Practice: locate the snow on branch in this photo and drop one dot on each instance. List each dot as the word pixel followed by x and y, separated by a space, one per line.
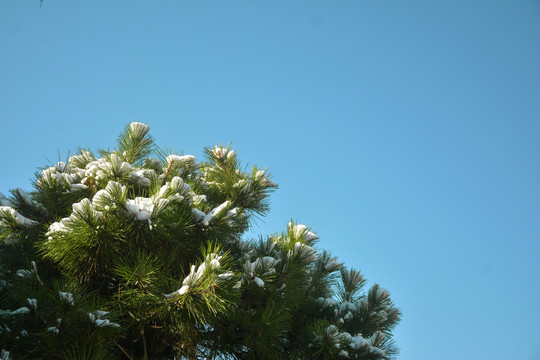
pixel 9 215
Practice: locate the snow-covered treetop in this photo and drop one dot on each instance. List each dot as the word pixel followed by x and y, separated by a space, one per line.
pixel 137 251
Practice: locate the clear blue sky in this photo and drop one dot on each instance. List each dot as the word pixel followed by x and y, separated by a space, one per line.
pixel 407 133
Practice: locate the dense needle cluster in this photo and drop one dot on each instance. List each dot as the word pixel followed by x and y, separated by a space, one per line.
pixel 133 253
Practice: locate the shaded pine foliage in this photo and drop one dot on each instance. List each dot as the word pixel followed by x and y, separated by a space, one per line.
pixel 133 253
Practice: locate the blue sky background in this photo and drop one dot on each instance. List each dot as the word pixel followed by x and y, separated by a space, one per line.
pixel 405 132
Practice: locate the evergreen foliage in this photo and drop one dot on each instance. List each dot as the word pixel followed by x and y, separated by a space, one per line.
pixel 138 254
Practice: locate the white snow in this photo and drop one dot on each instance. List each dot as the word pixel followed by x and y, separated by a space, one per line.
pixel 141 208
pixel 346 307
pixel 309 236
pixel 138 128
pixel 113 193
pixel 178 183
pixel 32 303
pixel 358 342
pixel 25 197
pixel 138 177
pixel 327 302
pixel 300 231
pixel 226 275
pixel 75 187
pixel 4 201
pixel 29 274
pixel 262 266
pixel 49 176
pixel 53 329
pixel 62 166
pixel 177 197
pixel 198 215
pixel 4 355
pixel 4 328
pixel 82 159
pixel 261 177
pixel 103 168
pixel 184 289
pixel 160 205
pixel 375 350
pixel 56 227
pixel 304 252
pixel 199 199
pixel 153 163
pixel 83 210
pixel 143 215
pixel 232 212
pixel 242 184
pixel 20 311
pixel 180 159
pixel 102 196
pixel 175 190
pixel 214 264
pixel 21 220
pixel 258 281
pixel 218 151
pixel 117 166
pixel 215 212
pixel 192 280
pixel 96 319
pixel 105 322
pixel 223 153
pixel 100 313
pixel 66 297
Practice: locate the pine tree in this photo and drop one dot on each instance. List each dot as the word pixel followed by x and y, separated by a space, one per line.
pixel 138 254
